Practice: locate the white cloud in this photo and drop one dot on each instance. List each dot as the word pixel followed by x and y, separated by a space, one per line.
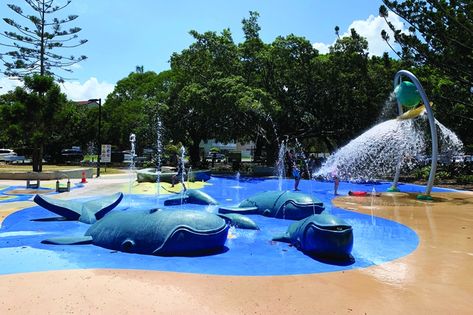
pixel 8 84
pixel 321 47
pixel 75 90
pixel 371 29
pixel 91 88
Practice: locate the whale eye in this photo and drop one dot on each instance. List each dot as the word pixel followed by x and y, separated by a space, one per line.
pixel 153 210
pixel 128 245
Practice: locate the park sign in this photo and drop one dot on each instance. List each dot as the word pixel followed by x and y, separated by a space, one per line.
pixel 106 153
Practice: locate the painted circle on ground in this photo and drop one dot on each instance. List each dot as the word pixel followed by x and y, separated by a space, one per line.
pixel 248 253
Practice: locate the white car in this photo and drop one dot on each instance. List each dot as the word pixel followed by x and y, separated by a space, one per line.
pixel 6 154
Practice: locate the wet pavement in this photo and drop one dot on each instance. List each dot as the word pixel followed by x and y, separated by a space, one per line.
pixel 433 276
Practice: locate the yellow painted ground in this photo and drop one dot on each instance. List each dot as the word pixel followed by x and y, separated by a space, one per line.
pixel 165 189
pixel 8 208
pixel 3 198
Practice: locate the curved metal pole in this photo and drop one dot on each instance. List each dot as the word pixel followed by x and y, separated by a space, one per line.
pixel 433 129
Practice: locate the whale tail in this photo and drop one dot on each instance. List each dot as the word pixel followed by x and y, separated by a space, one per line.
pixel 86 212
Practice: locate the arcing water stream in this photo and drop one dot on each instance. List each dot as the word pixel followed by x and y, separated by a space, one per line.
pixel 376 153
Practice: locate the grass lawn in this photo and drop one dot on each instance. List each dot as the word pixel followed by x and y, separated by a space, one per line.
pixel 5 168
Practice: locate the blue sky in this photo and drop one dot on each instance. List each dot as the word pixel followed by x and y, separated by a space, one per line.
pixel 123 34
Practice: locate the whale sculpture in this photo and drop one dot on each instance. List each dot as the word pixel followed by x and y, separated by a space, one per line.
pixel 155 232
pixel 191 196
pixel 84 211
pixel 278 204
pixel 320 234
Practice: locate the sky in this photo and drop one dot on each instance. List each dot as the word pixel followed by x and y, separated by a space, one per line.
pixel 123 34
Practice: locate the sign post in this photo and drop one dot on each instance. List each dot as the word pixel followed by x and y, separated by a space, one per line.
pixel 106 154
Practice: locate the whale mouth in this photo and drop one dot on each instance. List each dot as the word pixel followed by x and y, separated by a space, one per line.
pixel 305 205
pixel 334 228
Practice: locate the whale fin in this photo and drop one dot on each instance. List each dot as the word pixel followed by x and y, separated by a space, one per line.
pixel 244 210
pixel 282 238
pixel 176 200
pixel 100 207
pixel 72 240
pixel 65 208
pixel 239 221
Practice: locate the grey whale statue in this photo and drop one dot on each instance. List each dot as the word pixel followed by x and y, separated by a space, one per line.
pixel 320 234
pixel 84 211
pixel 278 204
pixel 191 196
pixel 155 232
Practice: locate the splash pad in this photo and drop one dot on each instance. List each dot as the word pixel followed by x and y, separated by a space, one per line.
pixel 396 144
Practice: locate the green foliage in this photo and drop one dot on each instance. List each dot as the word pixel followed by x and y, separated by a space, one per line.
pixel 440 42
pixel 422 173
pixel 133 107
pixel 465 179
pixel 32 115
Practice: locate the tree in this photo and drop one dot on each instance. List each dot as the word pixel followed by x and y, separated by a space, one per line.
pixel 440 38
pixel 34 46
pixel 199 71
pixel 440 34
pixel 132 108
pixel 32 113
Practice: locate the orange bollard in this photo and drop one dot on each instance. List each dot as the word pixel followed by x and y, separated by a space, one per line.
pixel 84 179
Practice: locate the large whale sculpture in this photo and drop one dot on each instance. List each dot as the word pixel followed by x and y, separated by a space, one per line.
pixel 320 234
pixel 84 211
pixel 191 196
pixel 155 232
pixel 278 204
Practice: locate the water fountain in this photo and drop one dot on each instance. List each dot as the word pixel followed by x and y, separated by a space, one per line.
pixel 132 160
pixel 280 164
pixel 237 178
pixel 396 144
pixel 159 151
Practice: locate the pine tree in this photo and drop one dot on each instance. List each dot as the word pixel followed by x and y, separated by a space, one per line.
pixel 35 44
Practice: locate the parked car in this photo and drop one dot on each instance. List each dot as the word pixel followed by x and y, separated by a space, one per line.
pixel 6 154
pixel 127 157
pixel 217 156
pixel 72 155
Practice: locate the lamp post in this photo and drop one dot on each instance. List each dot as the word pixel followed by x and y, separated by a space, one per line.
pixel 99 102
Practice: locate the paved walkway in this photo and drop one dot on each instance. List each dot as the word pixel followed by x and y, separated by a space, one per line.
pixel 435 279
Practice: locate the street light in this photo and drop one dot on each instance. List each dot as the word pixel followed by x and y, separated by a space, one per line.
pixel 99 102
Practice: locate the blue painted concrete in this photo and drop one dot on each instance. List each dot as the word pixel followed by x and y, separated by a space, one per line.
pixel 251 253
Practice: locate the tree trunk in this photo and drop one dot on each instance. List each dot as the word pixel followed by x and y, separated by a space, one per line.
pixel 258 149
pixel 40 157
pixel 272 149
pixel 35 159
pixel 194 153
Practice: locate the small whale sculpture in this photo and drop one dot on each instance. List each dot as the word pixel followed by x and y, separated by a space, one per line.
pixel 155 232
pixel 84 211
pixel 320 234
pixel 278 204
pixel 191 196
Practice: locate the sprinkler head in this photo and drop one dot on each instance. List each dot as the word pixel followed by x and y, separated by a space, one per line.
pixel 393 189
pixel 424 197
